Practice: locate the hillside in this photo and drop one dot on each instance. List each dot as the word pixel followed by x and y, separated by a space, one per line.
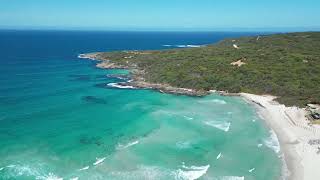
pixel 284 65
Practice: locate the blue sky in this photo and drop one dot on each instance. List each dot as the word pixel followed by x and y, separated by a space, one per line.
pixel 160 14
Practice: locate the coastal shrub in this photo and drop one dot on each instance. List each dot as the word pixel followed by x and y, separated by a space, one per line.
pixel 284 65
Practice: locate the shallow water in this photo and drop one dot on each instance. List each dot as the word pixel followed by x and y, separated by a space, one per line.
pixel 60 119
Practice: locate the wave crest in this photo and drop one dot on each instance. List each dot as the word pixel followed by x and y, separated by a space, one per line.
pixel 121 146
pixel 120 86
pixel 224 126
pixel 192 172
pixel 183 46
pixel 272 142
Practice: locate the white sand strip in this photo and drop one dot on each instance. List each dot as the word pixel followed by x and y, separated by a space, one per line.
pixel 294 133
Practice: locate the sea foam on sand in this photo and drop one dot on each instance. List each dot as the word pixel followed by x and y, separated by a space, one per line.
pixel 294 133
pixel 272 142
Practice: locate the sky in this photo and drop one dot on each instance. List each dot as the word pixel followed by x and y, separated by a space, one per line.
pixel 194 15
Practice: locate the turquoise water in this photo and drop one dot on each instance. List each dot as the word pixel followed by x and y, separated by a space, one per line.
pixel 60 119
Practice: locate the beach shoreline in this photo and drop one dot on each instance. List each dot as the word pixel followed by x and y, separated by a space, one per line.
pixel 300 158
pixel 294 135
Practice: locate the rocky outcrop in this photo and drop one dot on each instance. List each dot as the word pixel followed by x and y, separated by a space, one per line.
pixel 138 80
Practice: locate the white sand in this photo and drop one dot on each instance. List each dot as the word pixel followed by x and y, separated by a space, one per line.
pixel 294 133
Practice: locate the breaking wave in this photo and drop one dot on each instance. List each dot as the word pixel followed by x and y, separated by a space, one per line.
pixel 18 171
pixel 83 56
pixel 215 101
pixel 84 168
pixel 224 126
pixel 251 170
pixel 50 176
pixel 154 172
pixel 219 101
pixel 121 146
pixel 192 172
pixel 142 172
pixel 272 142
pixel 183 46
pixel 188 118
pixel 99 161
pixel 219 155
pixel 117 85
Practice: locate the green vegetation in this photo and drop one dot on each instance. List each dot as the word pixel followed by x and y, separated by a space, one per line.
pixel 284 65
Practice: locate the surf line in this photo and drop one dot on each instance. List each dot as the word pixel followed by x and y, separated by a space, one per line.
pixel 99 161
pixel 85 168
pixel 219 156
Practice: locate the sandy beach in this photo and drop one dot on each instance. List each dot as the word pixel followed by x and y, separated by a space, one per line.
pixel 298 140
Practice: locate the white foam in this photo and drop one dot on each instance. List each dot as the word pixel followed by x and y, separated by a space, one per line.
pixel 1 168
pixel 215 101
pixel 20 170
pixel 188 46
pixel 251 170
pixel 187 117
pixel 117 85
pixel 219 156
pixel 192 172
pixel 224 126
pixel 195 46
pixel 143 172
pixel 219 101
pixel 31 171
pixel 83 56
pixel 272 142
pixel 259 145
pixel 84 168
pixel 183 46
pixel 11 166
pixel 232 178
pixel 121 78
pixel 154 172
pixel 99 161
pixel 50 176
pixel 75 178
pixel 121 146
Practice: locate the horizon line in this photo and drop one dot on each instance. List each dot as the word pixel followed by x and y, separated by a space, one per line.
pixel 232 29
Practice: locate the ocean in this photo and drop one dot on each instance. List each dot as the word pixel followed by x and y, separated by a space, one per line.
pixel 59 118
